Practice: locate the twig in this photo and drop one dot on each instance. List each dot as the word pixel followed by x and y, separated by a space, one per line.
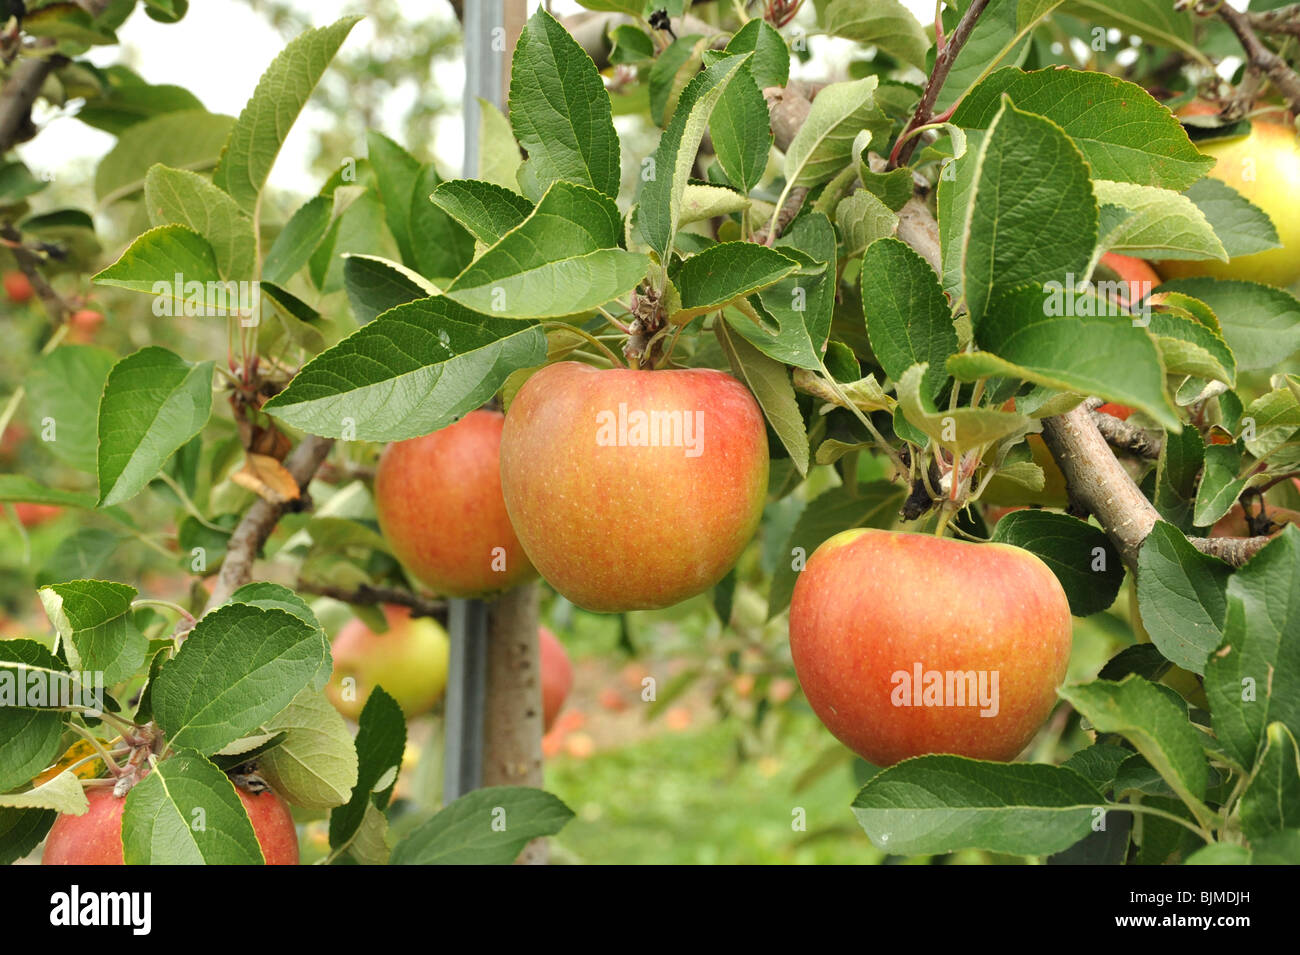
pixel 1260 56
pixel 420 606
pixel 1285 20
pixel 17 96
pixel 29 263
pixel 1127 437
pixel 906 143
pixel 256 526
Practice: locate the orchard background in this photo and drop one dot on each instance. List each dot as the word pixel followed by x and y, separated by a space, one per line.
pixel 1017 283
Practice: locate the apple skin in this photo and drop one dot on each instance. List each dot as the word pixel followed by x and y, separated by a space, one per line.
pixel 18 287
pixel 616 528
pixel 34 515
pixel 440 508
pixel 870 603
pixel 1140 277
pixel 557 676
pixel 1263 166
pixel 1116 411
pixel 95 838
pixel 409 661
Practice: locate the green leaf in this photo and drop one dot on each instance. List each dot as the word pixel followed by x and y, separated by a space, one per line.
pixel 63 389
pixel 17 488
pixel 1157 22
pixel 375 285
pixel 670 73
pixel 1271 803
pixel 1242 226
pixel 316 765
pixel 1143 714
pixel 939 804
pixel 959 428
pixel 741 131
pixel 769 380
pixel 1254 679
pixel 80 556
pixel 908 318
pixel 659 208
pixel 187 812
pixel 298 240
pixel 154 402
pixel 240 665
pixel 1181 458
pixel 562 260
pixel 560 112
pixel 1155 223
pixel 187 139
pixel 1030 215
pixel 180 197
pixel 700 202
pixel 499 158
pixel 415 369
pixel 1276 417
pixel 1181 596
pixel 441 246
pixel 1000 37
pixel 874 505
pixel 487 211
pixel 264 124
pixel 94 622
pixel 1123 132
pixel 396 172
pixel 30 738
pixel 800 306
pixel 358 228
pixel 885 24
pixel 770 64
pixel 1188 347
pixel 1080 555
pixel 721 274
pixel 485 827
pixel 862 219
pixel 1220 486
pixel 1281 848
pixel 1099 763
pixel 1219 853
pixel 21 831
pixel 153 261
pixel 380 742
pixel 1261 324
pixel 824 144
pixel 1025 335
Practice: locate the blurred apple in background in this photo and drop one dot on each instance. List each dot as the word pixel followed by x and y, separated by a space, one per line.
pixel 18 288
pixel 409 661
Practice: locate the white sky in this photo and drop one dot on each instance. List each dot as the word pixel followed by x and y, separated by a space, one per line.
pixel 219 50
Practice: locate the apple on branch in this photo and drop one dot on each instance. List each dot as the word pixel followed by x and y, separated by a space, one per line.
pixel 629 489
pixel 908 644
pixel 409 661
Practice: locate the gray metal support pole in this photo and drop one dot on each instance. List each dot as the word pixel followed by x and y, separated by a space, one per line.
pixel 466 687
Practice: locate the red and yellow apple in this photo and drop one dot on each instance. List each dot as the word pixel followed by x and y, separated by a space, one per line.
pixel 907 644
pixel 1263 166
pixel 409 661
pixel 440 508
pixel 18 287
pixel 557 676
pixel 633 490
pixel 95 838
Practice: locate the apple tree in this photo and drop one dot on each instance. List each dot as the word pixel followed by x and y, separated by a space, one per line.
pixel 947 350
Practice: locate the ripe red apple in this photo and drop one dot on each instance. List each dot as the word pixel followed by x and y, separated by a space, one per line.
pixel 1263 166
pixel 1139 278
pixel 18 287
pixel 440 507
pixel 83 325
pixel 33 515
pixel 985 626
pixel 409 661
pixel 633 490
pixel 557 676
pixel 95 838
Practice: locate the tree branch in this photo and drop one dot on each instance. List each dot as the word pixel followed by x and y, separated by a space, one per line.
pixel 1260 56
pixel 420 606
pixel 942 65
pixel 1285 20
pixel 251 533
pixel 1127 437
pixel 17 96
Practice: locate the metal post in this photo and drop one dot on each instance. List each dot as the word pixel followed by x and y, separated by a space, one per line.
pixel 466 687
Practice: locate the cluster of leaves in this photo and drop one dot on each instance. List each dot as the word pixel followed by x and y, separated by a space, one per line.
pixel 851 340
